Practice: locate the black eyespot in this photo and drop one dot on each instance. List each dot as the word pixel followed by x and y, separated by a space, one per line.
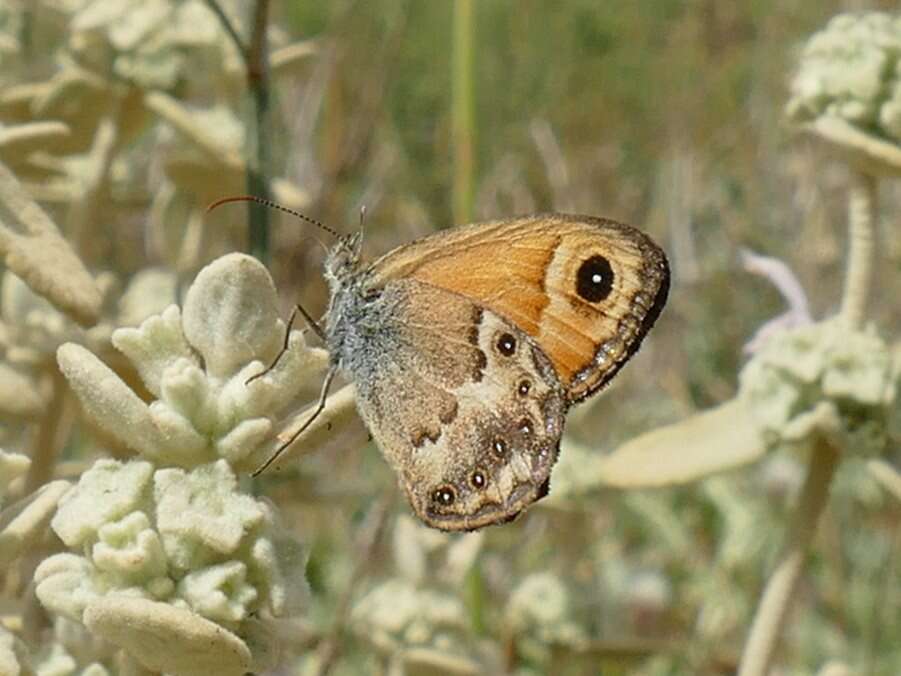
pixel 506 345
pixel 523 388
pixel 499 446
pixel 594 280
pixel 444 496
pixel 478 479
pixel 525 426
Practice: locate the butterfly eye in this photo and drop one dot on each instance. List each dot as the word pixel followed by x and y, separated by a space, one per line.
pixel 478 479
pixel 594 280
pixel 372 295
pixel 523 388
pixel 444 496
pixel 506 345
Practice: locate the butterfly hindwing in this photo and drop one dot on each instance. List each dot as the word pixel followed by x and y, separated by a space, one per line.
pixel 464 405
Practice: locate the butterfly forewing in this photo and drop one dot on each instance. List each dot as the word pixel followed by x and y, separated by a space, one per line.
pixel 586 290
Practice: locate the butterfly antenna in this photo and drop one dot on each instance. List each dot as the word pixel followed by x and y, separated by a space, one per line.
pixel 272 205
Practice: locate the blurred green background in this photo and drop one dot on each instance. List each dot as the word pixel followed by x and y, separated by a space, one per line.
pixel 668 115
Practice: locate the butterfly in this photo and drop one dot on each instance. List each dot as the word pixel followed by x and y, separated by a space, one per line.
pixel 466 349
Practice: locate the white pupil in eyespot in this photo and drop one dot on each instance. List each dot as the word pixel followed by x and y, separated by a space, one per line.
pixel 596 278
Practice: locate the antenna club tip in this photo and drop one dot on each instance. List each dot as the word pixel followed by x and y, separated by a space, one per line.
pixel 226 200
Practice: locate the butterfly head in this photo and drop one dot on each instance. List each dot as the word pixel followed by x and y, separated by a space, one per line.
pixel 343 260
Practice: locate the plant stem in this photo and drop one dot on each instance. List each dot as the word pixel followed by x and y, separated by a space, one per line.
pixel 48 439
pixel 83 212
pixel 769 621
pixel 229 28
pixel 258 155
pixel 463 110
pixel 256 61
pixel 367 540
pixel 861 210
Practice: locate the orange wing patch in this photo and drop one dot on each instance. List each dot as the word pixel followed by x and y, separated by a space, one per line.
pixel 506 276
pixel 586 289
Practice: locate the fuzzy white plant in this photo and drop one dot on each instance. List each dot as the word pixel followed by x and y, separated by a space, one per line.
pixel 12 465
pixel 198 363
pixel 822 379
pixel 169 560
pixel 149 42
pixel 414 619
pixel 541 608
pixel 852 70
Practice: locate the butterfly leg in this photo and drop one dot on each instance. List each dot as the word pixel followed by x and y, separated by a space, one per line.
pixel 323 395
pixel 310 322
